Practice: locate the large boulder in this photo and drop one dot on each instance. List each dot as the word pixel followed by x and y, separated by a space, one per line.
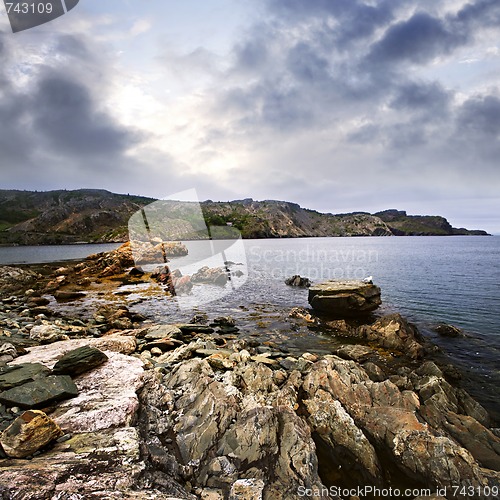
pixel 344 298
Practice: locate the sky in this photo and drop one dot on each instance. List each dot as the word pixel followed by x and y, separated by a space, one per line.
pixel 338 105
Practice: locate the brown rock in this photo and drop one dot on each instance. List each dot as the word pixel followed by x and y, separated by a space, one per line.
pixel 28 433
pixel 394 332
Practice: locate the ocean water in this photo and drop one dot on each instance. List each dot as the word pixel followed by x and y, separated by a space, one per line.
pixel 429 280
pixel 51 253
pixel 454 279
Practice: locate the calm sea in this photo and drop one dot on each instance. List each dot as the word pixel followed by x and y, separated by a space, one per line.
pixel 453 279
pixel 50 253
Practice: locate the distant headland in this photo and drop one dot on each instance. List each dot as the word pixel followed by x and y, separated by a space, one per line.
pixel 99 216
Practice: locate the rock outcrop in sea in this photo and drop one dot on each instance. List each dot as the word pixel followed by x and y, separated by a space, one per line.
pixel 200 411
pixel 344 298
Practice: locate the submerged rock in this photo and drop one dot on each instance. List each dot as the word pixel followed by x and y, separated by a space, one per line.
pixel 448 331
pixel 344 299
pixel 28 433
pixel 298 281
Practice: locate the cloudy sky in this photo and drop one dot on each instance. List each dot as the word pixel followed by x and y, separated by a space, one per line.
pixel 338 105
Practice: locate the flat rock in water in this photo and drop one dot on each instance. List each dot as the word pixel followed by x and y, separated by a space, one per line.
pixel 79 360
pixel 28 433
pixel 344 298
pixel 40 393
pixel 15 375
pixel 68 295
pixel 195 328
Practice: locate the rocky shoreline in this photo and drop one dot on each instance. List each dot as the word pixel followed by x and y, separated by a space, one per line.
pixel 135 409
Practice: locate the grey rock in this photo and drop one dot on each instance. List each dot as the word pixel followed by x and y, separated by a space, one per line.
pixel 40 393
pixel 79 360
pixel 298 281
pixel 15 375
pixel 344 298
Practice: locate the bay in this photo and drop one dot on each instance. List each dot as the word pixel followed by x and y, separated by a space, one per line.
pixel 51 253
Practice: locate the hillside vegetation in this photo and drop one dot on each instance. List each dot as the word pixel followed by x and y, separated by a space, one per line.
pixel 98 216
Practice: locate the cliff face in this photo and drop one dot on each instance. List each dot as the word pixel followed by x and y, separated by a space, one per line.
pixel 88 215
pixel 400 223
pixel 281 219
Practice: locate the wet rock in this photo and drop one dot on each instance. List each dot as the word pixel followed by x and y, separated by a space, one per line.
pixel 28 433
pixel 68 295
pixel 298 281
pixel 37 301
pixel 136 272
pixel 215 276
pixel 344 299
pixel 190 328
pixel 14 375
pixel 223 321
pixel 40 393
pixel 46 334
pixel 448 331
pixel 301 313
pixel 394 332
pixel 182 284
pixel 79 361
pixel 119 318
pixel 356 352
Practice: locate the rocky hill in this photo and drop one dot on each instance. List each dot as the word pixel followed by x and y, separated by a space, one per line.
pixel 55 217
pixel 88 215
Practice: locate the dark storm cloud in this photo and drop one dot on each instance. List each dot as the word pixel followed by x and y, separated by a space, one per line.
pixel 54 125
pixel 480 116
pixel 415 96
pixel 416 40
pixel 485 12
pixel 302 76
pixel 67 119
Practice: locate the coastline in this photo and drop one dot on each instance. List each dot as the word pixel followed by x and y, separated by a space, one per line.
pixel 201 389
